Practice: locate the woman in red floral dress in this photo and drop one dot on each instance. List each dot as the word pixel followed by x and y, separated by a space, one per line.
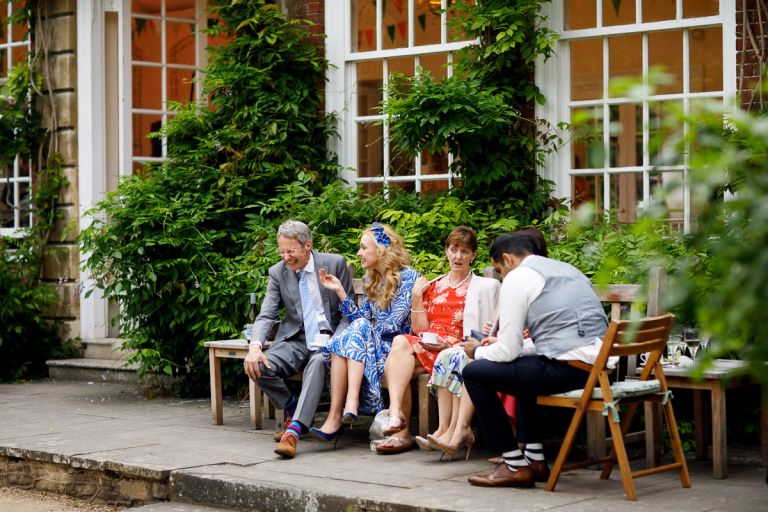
pixel 449 306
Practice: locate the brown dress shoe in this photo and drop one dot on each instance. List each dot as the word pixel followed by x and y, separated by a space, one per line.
pixel 286 448
pixel 278 436
pixel 540 471
pixel 502 476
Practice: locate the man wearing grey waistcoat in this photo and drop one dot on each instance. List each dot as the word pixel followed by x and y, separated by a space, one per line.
pixel 556 303
pixel 311 316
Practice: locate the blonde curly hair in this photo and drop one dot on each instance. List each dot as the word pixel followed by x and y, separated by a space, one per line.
pixel 381 288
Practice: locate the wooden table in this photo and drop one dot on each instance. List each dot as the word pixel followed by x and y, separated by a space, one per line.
pixel 716 380
pixel 230 349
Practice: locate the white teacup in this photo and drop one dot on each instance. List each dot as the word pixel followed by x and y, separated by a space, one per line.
pixel 320 341
pixel 429 338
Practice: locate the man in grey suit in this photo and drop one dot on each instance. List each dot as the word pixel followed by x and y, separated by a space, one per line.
pixel 311 315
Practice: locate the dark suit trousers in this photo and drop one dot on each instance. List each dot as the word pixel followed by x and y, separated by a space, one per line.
pixel 524 378
pixel 287 358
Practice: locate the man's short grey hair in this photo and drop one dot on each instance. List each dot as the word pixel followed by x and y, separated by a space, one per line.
pixel 295 229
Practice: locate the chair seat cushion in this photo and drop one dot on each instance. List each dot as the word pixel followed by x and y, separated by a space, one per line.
pixel 623 389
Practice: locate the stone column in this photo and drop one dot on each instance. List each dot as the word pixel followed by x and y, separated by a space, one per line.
pixel 57 32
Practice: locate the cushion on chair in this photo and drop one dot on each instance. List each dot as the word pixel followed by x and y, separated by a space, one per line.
pixel 623 389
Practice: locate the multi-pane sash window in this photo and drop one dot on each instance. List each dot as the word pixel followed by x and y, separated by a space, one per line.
pixel 385 37
pixel 15 178
pixel 620 163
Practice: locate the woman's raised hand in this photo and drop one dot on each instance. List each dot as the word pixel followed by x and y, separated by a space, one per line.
pixel 331 282
pixel 420 286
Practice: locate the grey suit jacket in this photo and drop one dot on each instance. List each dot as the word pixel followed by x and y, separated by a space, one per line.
pixel 283 291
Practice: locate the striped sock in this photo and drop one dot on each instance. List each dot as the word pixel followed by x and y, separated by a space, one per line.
pixel 295 429
pixel 534 452
pixel 515 460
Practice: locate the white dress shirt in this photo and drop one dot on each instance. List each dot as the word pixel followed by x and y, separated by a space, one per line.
pixel 314 290
pixel 519 289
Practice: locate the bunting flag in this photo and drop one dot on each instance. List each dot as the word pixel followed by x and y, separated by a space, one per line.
pixel 402 27
pixel 391 32
pixel 422 21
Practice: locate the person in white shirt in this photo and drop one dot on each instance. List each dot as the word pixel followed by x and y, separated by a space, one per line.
pixel 556 303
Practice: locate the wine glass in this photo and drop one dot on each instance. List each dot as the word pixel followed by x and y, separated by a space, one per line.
pixel 692 340
pixel 673 344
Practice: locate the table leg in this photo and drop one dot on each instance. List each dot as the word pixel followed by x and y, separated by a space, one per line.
pixel 702 445
pixel 653 436
pixel 254 396
pixel 764 425
pixel 719 439
pixel 215 369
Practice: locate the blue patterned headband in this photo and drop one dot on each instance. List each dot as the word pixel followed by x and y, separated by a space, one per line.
pixel 379 235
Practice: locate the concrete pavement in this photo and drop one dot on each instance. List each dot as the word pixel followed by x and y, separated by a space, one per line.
pixel 109 442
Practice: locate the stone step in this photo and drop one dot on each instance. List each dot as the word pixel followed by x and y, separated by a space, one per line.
pixel 107 370
pixel 175 506
pixel 106 348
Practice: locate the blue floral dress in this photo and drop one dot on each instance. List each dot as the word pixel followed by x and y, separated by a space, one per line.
pixel 368 339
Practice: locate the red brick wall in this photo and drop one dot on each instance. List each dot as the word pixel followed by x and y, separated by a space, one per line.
pixel 748 65
pixel 314 11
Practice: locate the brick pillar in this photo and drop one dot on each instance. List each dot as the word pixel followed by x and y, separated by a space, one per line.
pixel 748 64
pixel 60 269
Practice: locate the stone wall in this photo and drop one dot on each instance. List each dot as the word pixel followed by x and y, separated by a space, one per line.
pixel 58 33
pixel 749 59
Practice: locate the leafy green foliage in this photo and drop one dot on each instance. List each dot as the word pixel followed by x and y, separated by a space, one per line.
pixel 176 253
pixel 478 114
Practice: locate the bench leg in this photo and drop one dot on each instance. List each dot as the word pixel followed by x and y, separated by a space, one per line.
pixel 596 444
pixel 427 413
pixel 254 392
pixel 217 409
pixel 653 437
pixel 764 425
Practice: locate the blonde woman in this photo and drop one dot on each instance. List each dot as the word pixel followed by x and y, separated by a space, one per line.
pixel 357 354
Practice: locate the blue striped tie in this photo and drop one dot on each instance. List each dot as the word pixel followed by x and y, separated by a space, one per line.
pixel 308 308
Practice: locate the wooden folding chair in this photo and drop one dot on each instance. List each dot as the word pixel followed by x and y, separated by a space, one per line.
pixel 623 338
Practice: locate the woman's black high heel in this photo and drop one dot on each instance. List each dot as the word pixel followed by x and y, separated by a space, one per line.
pixel 327 438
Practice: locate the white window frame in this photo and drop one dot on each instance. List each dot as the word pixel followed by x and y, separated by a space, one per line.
pixel 21 220
pixel 341 90
pixel 553 78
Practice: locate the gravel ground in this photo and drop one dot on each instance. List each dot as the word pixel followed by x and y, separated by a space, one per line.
pixel 22 500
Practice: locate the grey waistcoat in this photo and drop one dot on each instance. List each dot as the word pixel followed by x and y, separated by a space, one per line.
pixel 567 314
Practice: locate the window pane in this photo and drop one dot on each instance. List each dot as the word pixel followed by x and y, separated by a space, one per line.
pixel 665 49
pixel 426 23
pixel 626 135
pixel 409 186
pixel 143 124
pixel 371 189
pixel 399 164
pixel 369 85
pixel 587 147
pixel 434 163
pixel 706 45
pixel 434 186
pixel 618 13
pixel 6 211
pixel 180 87
pixel 404 65
pixel 24 167
pixel 145 7
pixel 25 205
pixel 145 40
pixel 180 9
pixel 670 185
pixel 586 69
pixel 20 54
pixel 435 64
pixel 587 189
pixel 626 196
pixel 180 44
pixel 20 32
pixel 662 130
pixel 395 24
pixel 625 56
pixel 697 8
pixel 146 87
pixel 580 14
pixel 363 37
pixel 3 62
pixel 370 150
pixel 659 10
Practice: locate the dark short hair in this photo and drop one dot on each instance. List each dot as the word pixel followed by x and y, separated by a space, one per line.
pixel 517 244
pixel 537 238
pixel 462 235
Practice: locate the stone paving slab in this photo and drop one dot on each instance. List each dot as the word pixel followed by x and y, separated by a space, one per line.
pixel 112 428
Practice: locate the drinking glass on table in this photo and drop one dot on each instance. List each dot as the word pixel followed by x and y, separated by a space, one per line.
pixel 692 340
pixel 673 344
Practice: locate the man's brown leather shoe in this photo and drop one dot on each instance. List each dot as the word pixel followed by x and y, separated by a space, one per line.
pixel 502 476
pixel 278 436
pixel 540 471
pixel 286 448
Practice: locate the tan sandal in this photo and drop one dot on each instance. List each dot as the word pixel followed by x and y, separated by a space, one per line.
pixel 394 445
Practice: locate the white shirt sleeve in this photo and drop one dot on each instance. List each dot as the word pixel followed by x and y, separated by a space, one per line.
pixel 519 289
